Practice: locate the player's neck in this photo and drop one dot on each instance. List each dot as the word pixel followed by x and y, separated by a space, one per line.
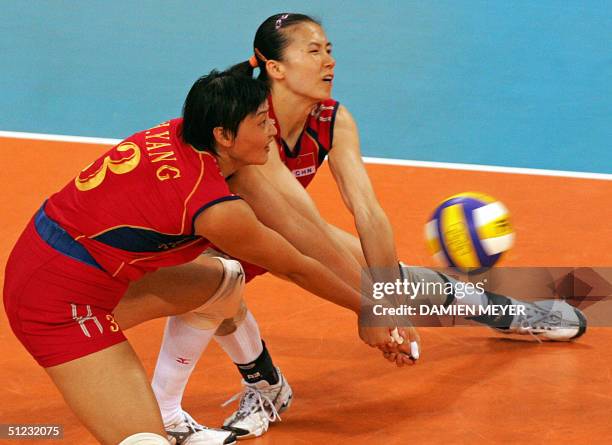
pixel 291 111
pixel 226 165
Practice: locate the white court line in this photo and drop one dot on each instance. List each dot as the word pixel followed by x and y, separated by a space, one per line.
pixel 58 137
pixel 488 168
pixel 368 160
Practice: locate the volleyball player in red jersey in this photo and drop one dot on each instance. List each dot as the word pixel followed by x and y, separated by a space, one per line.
pixel 309 125
pixel 293 55
pixel 152 203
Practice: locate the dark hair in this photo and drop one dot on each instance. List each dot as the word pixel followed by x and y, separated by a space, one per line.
pixel 219 99
pixel 271 39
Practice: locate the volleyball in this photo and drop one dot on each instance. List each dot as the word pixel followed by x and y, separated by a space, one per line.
pixel 469 231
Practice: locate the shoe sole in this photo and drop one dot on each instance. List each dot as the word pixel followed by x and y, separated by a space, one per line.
pixel 582 322
pixel 240 437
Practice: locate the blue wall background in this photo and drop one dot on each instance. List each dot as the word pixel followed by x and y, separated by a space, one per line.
pixel 516 83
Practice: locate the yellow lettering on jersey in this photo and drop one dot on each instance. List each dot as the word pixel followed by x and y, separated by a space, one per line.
pixel 156 145
pixel 168 172
pixel 128 157
pixel 164 156
pixel 165 135
pixel 163 124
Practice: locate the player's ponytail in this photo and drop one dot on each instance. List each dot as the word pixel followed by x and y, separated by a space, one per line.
pixel 271 39
pixel 270 43
pixel 242 69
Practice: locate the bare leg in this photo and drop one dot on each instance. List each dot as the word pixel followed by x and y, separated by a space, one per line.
pixel 169 291
pixel 109 390
pixel 110 393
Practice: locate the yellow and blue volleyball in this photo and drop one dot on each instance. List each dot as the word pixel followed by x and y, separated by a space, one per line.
pixel 469 231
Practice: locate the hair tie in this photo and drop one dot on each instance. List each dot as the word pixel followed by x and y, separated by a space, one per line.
pixel 279 21
pixel 253 61
pixel 260 56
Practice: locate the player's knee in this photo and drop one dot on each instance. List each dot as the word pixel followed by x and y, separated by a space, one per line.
pixel 227 301
pixel 229 325
pixel 145 439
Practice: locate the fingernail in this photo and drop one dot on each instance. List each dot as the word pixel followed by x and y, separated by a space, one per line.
pixel 414 350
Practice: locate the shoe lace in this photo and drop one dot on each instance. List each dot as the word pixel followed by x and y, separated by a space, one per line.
pixel 252 399
pixel 191 424
pixel 535 317
pixel 179 437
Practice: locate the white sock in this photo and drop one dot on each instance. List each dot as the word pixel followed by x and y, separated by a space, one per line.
pixel 244 344
pixel 181 349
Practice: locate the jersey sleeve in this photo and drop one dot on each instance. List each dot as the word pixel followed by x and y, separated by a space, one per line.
pixel 211 189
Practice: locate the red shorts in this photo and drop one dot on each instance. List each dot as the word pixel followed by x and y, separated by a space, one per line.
pixel 251 270
pixel 58 307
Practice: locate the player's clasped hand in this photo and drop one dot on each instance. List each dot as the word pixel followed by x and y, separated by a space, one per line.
pixel 381 338
pixel 405 348
pixel 376 337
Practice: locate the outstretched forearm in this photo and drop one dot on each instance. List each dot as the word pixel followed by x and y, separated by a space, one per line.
pixel 234 228
pixel 307 232
pixel 378 243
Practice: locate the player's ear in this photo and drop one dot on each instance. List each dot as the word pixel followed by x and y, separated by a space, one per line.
pixel 275 69
pixel 223 138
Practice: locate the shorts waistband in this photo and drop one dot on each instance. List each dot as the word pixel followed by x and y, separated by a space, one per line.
pixel 60 240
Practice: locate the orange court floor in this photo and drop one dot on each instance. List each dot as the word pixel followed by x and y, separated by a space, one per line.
pixel 470 386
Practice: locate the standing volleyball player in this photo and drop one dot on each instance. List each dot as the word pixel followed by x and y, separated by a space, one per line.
pixel 151 204
pixel 293 55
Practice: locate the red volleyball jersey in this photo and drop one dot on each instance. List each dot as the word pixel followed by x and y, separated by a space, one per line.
pixel 312 145
pixel 310 151
pixel 133 209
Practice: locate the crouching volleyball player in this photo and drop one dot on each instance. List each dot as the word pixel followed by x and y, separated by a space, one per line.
pixel 293 55
pixel 153 202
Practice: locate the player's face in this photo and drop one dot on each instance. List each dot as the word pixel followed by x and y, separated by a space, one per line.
pixel 307 62
pixel 254 138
